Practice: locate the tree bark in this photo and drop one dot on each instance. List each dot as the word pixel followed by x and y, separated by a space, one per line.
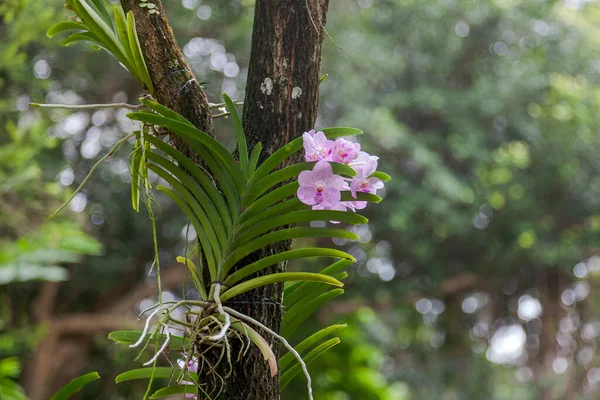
pixel 174 83
pixel 280 104
pixel 282 97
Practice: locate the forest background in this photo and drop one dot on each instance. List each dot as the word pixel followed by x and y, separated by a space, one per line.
pixel 476 276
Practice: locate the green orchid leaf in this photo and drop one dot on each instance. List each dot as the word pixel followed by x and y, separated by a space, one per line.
pixel 239 133
pixel 138 57
pixel 96 25
pixel 287 377
pixel 74 386
pixel 347 196
pixel 208 208
pixel 164 111
pixel 190 135
pixel 269 200
pixel 254 158
pixel 209 253
pixel 278 277
pixel 171 390
pixel 136 161
pixel 288 358
pixel 82 36
pixel 63 27
pixel 309 291
pixel 285 256
pixel 200 176
pixel 196 275
pixel 145 373
pixel 122 34
pixel 260 342
pixel 296 316
pixel 297 291
pixel 290 172
pixel 196 207
pixel 296 217
pixel 281 235
pixel 290 205
pixel 382 176
pixel 100 9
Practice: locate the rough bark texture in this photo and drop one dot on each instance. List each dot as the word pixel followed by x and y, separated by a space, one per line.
pixel 281 102
pixel 282 97
pixel 174 82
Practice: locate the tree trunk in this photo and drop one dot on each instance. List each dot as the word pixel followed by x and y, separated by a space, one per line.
pixel 174 82
pixel 282 97
pixel 280 104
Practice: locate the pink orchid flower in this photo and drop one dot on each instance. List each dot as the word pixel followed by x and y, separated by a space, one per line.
pixel 192 367
pixel 317 146
pixel 320 186
pixel 344 151
pixel 364 166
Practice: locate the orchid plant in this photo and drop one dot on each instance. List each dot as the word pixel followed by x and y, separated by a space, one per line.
pixel 237 206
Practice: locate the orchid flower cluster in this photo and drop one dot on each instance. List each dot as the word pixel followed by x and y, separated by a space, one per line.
pixel 321 188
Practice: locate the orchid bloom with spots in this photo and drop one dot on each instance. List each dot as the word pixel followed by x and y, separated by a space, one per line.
pixel 361 182
pixel 344 151
pixel 317 146
pixel 320 186
pixel 192 367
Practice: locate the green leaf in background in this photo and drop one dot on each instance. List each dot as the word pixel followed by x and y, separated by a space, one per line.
pixel 171 390
pixel 74 386
pixel 287 376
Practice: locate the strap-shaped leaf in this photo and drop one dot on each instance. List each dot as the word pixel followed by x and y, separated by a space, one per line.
pixel 278 277
pixel 145 373
pixel 196 206
pixel 164 111
pixel 202 237
pixel 281 235
pixel 382 176
pixel 278 209
pixel 191 134
pixel 373 198
pixel 196 276
pixel 286 173
pixel 200 176
pixel 288 358
pixel 313 355
pixel 260 342
pixel 269 199
pixel 75 386
pixel 285 256
pixel 136 159
pixel 136 51
pixel 171 390
pixel 254 158
pixel 203 200
pixel 239 134
pixel 301 289
pixel 100 9
pixel 310 291
pixel 292 147
pixel 82 36
pixel 63 27
pixel 294 318
pixel 129 337
pixel 121 25
pixel 100 28
pixel 296 217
